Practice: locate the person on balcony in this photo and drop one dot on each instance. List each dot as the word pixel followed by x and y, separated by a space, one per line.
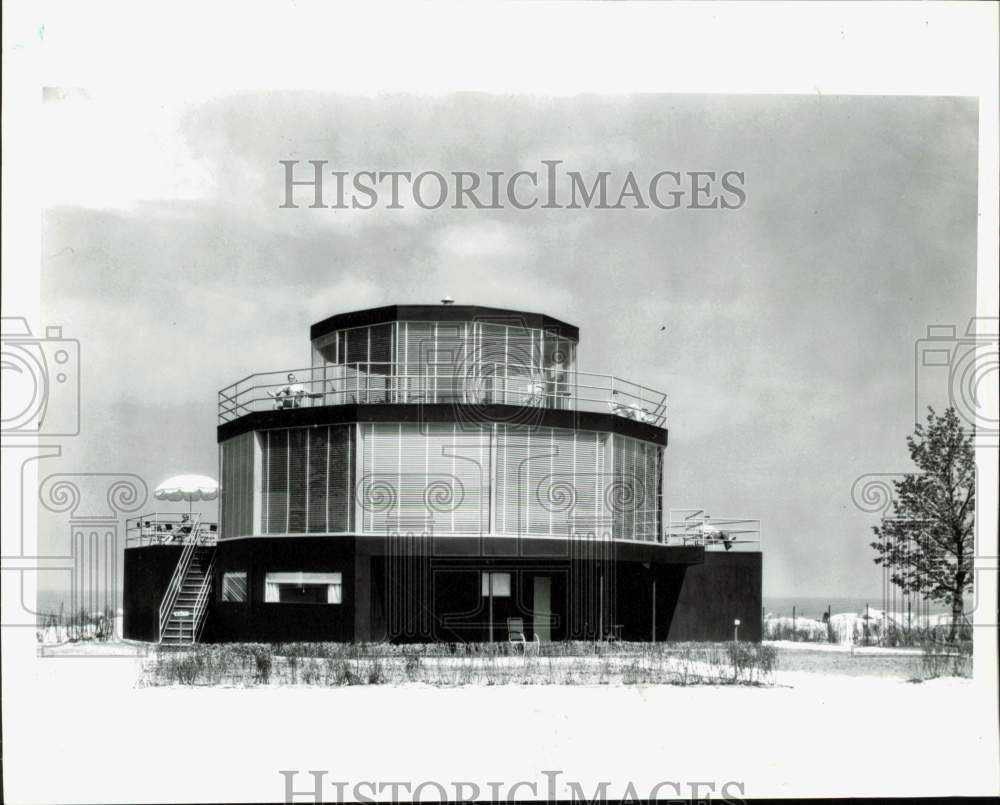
pixel 618 408
pixel 534 395
pixel 555 379
pixel 642 414
pixel 288 396
pixel 709 533
pixel 185 525
pixel 291 394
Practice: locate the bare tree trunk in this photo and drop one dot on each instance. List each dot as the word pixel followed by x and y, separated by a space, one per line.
pixel 957 610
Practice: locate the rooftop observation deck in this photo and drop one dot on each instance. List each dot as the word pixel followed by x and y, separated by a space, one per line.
pixel 452 354
pixel 477 384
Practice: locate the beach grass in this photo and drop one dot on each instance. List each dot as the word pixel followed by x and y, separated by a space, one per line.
pixel 451 665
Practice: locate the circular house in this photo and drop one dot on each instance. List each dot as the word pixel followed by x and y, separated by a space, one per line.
pixel 439 473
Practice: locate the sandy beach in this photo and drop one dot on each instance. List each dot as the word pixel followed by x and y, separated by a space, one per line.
pixel 889 733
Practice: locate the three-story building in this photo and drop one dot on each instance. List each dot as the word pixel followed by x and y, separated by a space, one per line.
pixel 439 472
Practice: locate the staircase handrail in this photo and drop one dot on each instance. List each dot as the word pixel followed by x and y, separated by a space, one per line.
pixel 177 579
pixel 201 602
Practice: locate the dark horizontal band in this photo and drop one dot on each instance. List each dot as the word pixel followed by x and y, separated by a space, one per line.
pixel 490 315
pixel 511 415
pixel 476 549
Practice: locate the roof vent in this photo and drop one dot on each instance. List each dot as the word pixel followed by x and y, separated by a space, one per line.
pixel 447 301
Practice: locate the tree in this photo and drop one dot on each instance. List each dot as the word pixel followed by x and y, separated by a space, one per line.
pixel 928 543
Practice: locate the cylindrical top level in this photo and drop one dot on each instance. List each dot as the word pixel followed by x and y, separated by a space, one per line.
pixel 514 359
pixel 444 313
pixel 443 354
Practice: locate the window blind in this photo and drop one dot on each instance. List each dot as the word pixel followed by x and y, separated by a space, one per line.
pixel 236 511
pixel 419 478
pixel 307 480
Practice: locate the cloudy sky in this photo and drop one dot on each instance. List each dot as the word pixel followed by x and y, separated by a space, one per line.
pixel 788 354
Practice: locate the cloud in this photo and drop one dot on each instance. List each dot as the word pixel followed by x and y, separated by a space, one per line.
pixel 788 353
pixel 102 150
pixel 482 240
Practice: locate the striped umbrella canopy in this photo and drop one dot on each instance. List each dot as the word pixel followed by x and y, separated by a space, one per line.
pixel 187 487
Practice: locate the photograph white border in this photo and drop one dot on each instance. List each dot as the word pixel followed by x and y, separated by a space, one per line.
pixel 200 50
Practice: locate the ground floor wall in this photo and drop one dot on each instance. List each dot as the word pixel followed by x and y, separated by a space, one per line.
pixel 416 590
pixel 148 571
pixel 703 601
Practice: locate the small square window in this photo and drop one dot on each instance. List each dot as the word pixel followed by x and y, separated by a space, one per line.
pixel 501 584
pixel 234 586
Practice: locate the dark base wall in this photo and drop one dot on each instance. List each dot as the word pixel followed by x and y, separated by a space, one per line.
pixel 148 571
pixel 710 596
pixel 413 590
pixel 259 621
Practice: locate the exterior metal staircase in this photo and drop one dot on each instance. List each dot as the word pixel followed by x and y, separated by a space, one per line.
pixel 185 603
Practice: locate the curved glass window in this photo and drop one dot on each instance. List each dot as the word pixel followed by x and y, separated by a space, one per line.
pixel 442 362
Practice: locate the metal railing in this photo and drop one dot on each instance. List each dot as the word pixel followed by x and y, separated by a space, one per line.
pixel 177 579
pixel 201 602
pixel 169 528
pixel 695 527
pixel 475 384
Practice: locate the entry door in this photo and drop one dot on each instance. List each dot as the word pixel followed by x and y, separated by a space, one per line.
pixel 542 608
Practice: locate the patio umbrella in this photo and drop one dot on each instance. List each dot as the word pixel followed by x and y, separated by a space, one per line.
pixel 187 487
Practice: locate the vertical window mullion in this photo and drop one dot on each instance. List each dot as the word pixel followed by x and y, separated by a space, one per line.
pixel 326 483
pixel 399 478
pixel 454 450
pixel 264 486
pixel 506 360
pixel 598 476
pixel 372 460
pixel 427 468
pixel 307 479
pixel 527 484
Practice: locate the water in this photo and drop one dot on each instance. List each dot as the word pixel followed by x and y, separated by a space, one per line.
pixel 806 607
pixel 779 606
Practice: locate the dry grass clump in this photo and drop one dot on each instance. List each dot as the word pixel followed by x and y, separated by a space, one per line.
pixel 940 658
pixel 451 665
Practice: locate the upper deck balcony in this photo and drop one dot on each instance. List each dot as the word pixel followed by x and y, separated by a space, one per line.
pixel 483 384
pixel 455 354
pixel 170 528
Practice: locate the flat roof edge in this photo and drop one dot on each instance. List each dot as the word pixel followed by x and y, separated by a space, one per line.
pixel 492 315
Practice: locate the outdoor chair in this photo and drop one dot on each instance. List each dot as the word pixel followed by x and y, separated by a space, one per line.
pixel 516 636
